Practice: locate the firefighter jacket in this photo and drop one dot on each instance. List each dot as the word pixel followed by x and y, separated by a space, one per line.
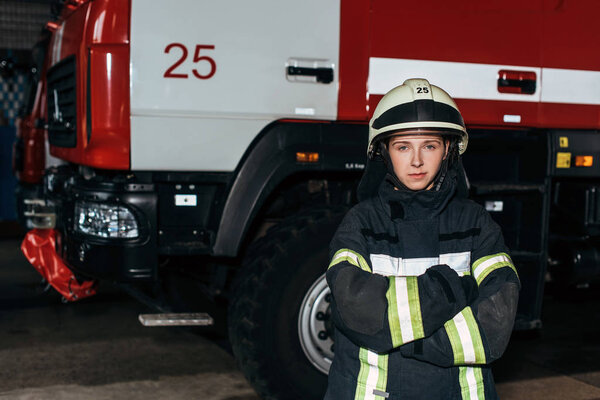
pixel 424 297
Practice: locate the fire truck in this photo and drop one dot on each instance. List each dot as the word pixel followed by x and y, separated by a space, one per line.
pixel 218 145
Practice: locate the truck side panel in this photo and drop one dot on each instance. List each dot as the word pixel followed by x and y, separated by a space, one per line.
pixel 465 48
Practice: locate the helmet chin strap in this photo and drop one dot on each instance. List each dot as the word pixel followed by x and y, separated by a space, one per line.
pixel 437 180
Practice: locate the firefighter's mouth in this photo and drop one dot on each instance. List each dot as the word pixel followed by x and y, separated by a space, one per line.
pixel 420 175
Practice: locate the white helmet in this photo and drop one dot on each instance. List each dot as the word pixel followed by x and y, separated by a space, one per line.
pixel 413 107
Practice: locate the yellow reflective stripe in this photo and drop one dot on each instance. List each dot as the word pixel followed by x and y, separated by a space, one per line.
pixel 465 338
pixel 455 343
pixel 415 308
pixel 464 385
pixel 471 383
pixel 382 365
pixel 475 334
pixel 393 318
pixel 372 375
pixel 479 381
pixel 486 265
pixel 404 310
pixel 363 373
pixel 364 265
pixel 350 256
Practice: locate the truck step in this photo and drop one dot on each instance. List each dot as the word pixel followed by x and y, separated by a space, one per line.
pixel 176 319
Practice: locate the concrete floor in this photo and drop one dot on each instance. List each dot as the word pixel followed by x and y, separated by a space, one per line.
pixel 96 349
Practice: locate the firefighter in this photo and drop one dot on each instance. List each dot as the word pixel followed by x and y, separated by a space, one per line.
pixel 424 294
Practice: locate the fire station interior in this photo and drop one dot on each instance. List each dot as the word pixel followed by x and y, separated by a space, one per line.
pixel 63 336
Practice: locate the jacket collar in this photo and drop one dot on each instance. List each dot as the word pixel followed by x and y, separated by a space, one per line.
pixel 423 204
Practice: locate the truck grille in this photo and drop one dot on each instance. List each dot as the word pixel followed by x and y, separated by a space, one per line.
pixel 62 95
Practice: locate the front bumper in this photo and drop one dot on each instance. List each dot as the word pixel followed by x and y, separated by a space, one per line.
pixel 113 259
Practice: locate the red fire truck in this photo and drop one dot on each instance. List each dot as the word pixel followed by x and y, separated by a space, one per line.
pixel 223 142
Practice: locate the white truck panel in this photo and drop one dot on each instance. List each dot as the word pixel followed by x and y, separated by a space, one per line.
pixel 190 143
pixel 460 80
pixel 181 123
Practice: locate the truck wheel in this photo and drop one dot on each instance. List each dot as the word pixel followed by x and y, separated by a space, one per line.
pixel 279 325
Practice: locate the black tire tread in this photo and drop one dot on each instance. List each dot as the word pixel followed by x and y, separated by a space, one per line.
pixel 251 284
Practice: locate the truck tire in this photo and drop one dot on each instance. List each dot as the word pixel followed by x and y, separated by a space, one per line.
pixel 278 316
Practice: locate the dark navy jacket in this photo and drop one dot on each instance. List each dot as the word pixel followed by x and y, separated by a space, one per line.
pixel 424 297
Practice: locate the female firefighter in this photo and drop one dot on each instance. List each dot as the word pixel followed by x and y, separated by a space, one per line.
pixel 424 294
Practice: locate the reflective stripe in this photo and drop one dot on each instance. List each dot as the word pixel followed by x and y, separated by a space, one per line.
pixel 402 303
pixel 393 317
pixel 465 338
pixel 471 383
pixel 486 265
pixel 415 308
pixel 475 336
pixel 384 264
pixel 372 377
pixel 350 256
pixel 460 262
pixel 363 374
pixel 416 266
pixel 396 266
pixel 455 342
pixel 404 315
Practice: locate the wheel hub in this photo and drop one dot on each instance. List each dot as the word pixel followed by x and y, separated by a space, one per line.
pixel 315 329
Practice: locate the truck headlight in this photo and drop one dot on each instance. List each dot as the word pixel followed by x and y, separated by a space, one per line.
pixel 105 220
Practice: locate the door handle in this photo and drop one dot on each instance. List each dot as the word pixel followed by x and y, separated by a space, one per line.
pixel 323 75
pixel 311 70
pixel 519 82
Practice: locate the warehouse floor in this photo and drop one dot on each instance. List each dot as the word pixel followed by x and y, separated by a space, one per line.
pixel 96 349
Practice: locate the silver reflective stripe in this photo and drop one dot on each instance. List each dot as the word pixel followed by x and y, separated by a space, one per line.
pixel 384 265
pixel 395 266
pixel 460 262
pixel 416 266
pixel 471 383
pixel 403 307
pixel 373 376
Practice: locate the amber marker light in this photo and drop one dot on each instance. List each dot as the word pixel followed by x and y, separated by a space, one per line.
pixel 307 157
pixel 584 161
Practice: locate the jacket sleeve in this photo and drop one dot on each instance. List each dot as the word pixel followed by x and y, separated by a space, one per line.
pixel 479 333
pixel 382 313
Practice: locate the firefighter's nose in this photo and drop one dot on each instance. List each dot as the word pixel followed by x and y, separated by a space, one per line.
pixel 417 159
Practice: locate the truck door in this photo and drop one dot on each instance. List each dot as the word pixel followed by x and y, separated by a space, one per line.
pixel 206 77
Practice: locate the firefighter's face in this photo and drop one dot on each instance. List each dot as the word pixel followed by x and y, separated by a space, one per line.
pixel 417 159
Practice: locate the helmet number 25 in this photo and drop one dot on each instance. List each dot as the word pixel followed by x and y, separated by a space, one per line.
pixel 170 72
pixel 420 89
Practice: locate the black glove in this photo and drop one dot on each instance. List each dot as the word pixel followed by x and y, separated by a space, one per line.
pixel 470 287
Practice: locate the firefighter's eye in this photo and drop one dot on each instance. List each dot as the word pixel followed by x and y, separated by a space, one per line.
pixel 400 147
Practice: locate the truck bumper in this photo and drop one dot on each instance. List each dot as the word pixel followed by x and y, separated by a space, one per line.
pixel 89 219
